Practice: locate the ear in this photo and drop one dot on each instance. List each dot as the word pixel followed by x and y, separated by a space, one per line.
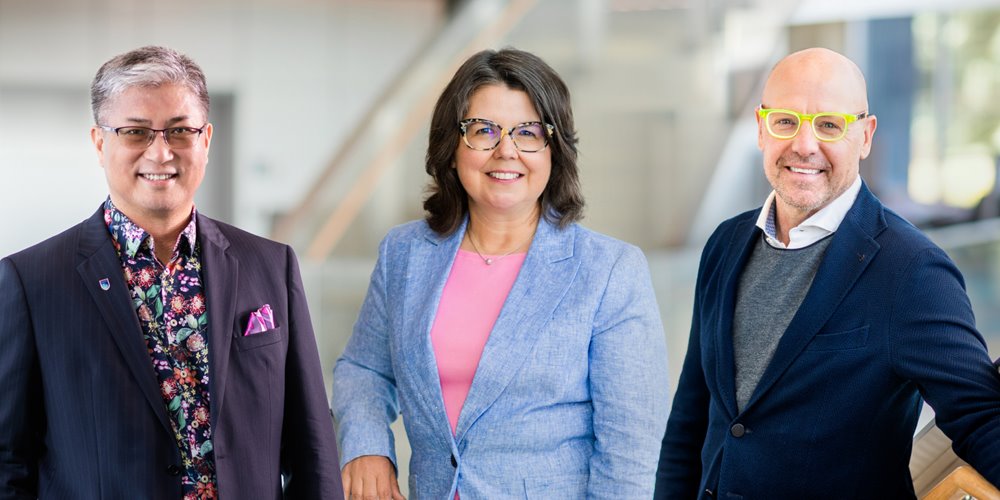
pixel 866 146
pixel 97 137
pixel 206 136
pixel 760 129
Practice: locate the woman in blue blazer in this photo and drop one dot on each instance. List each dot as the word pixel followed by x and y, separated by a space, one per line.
pixel 525 353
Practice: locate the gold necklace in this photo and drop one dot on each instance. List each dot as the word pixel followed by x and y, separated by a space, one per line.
pixel 490 260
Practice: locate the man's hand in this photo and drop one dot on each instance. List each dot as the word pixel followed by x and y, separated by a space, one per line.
pixel 370 477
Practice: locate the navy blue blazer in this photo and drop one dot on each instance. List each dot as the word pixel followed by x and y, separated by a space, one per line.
pixel 886 321
pixel 81 414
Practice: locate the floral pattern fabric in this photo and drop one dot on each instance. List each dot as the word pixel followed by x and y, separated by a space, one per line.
pixel 170 304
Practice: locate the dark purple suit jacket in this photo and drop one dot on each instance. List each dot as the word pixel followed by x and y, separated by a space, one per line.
pixel 81 414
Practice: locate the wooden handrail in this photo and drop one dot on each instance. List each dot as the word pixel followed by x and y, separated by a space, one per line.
pixel 962 483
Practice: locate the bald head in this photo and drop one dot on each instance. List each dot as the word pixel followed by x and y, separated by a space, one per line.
pixel 807 171
pixel 816 79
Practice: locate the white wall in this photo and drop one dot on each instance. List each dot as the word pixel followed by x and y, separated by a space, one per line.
pixel 301 73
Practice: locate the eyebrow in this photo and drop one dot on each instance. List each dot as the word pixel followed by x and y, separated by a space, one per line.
pixel 539 120
pixel 860 115
pixel 143 121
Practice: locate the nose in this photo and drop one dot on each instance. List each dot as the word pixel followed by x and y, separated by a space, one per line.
pixel 805 142
pixel 159 151
pixel 506 148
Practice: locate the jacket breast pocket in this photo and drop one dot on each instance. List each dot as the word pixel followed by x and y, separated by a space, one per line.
pixel 838 341
pixel 268 337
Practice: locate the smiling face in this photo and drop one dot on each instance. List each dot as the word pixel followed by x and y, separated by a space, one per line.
pixel 155 185
pixel 503 182
pixel 806 173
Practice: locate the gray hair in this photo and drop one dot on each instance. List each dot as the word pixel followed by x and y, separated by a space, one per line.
pixel 149 66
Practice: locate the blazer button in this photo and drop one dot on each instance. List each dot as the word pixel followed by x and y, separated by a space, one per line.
pixel 454 463
pixel 173 470
pixel 737 430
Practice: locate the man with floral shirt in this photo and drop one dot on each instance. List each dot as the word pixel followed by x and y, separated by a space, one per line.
pixel 150 351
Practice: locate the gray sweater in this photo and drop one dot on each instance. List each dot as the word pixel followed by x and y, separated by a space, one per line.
pixel 770 292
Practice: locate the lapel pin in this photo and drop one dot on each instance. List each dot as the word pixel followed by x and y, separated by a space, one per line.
pixel 105 284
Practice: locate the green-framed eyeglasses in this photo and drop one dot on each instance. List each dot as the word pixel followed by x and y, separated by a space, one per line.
pixel 826 126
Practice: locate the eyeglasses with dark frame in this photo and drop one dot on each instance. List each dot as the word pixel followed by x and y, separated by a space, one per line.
pixel 484 135
pixel 142 137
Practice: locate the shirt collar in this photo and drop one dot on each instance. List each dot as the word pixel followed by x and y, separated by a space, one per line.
pixel 129 238
pixel 818 226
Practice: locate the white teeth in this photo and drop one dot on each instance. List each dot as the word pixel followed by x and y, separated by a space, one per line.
pixel 804 170
pixel 504 176
pixel 157 177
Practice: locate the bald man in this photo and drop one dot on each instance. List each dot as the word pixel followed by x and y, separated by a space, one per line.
pixel 820 321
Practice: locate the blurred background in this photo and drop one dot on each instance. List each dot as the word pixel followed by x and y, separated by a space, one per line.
pixel 321 110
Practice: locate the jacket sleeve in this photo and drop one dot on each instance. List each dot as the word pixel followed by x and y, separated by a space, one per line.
pixel 364 386
pixel 629 383
pixel 21 407
pixel 934 342
pixel 678 474
pixel 309 444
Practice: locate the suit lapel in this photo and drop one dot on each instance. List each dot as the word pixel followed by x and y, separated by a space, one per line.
pixel 99 261
pixel 740 247
pixel 547 271
pixel 428 264
pixel 852 249
pixel 220 271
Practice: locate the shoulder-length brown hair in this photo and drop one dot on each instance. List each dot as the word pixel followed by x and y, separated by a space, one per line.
pixel 447 203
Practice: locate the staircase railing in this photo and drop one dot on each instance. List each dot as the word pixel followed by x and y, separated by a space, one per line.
pixel 319 221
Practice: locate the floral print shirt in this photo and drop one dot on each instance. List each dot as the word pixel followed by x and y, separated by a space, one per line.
pixel 170 304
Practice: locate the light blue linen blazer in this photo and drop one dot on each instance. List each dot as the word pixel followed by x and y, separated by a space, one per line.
pixel 570 397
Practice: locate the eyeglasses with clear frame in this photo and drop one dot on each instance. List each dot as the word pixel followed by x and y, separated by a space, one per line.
pixel 826 126
pixel 143 137
pixel 483 135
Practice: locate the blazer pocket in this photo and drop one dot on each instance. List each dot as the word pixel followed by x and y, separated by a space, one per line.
pixel 838 341
pixel 267 337
pixel 557 487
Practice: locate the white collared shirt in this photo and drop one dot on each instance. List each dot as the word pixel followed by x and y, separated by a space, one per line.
pixel 818 226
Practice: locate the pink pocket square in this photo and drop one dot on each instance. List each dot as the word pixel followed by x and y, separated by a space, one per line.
pixel 260 320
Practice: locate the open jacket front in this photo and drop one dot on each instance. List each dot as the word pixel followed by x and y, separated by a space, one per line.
pixel 577 354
